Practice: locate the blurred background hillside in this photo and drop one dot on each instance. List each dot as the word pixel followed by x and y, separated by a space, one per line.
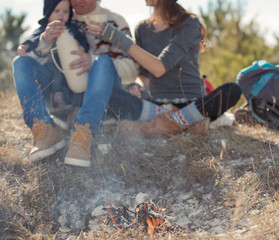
pixel 233 41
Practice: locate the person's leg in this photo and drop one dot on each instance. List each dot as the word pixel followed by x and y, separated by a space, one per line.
pixel 212 105
pixel 124 106
pixel 219 101
pixel 103 87
pixel 32 81
pixel 193 116
pixel 101 80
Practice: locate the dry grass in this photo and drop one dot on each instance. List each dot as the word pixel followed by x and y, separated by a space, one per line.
pixel 239 165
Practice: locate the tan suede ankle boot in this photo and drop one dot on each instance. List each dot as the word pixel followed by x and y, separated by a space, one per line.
pixel 162 126
pixel 79 153
pixel 47 140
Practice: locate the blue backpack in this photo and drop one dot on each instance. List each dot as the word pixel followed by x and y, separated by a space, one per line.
pixel 260 85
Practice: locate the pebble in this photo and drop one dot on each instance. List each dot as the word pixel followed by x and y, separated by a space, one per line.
pixel 64 229
pixel 98 211
pixel 104 148
pixel 62 220
pixel 142 197
pixel 186 196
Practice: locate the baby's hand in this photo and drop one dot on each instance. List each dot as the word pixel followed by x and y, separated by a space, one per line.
pixel 53 30
pixel 21 50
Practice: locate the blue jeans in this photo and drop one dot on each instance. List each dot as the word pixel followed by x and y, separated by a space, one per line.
pixel 102 79
pixel 104 91
pixel 33 83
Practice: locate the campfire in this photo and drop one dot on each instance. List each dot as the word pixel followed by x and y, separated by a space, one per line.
pixel 146 214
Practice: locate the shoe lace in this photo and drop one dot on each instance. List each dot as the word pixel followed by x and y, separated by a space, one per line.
pixel 39 131
pixel 81 138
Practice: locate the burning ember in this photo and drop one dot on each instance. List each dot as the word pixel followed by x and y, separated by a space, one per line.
pixel 119 217
pixel 146 214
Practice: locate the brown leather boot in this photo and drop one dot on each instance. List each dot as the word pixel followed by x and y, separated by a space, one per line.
pixel 161 126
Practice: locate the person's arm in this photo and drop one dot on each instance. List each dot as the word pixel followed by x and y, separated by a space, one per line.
pixel 53 30
pixel 140 85
pixel 148 61
pixel 111 34
pixel 126 66
pixel 177 48
pixel 43 40
pixel 35 46
pixel 134 89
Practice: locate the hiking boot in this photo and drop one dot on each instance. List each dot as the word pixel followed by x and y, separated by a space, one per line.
pixel 47 140
pixel 161 126
pixel 79 153
pixel 58 105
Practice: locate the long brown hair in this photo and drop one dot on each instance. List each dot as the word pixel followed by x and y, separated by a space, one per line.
pixel 174 14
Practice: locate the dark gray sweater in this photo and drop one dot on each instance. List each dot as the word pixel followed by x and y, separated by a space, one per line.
pixel 178 48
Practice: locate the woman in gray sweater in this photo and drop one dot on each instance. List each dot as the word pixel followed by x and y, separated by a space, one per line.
pixel 167 49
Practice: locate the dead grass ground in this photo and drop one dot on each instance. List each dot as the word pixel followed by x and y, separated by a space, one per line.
pixel 238 165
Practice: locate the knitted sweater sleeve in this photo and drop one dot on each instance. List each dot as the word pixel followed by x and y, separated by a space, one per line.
pixel 186 37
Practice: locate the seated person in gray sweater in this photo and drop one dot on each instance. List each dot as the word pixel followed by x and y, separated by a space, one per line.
pixel 167 49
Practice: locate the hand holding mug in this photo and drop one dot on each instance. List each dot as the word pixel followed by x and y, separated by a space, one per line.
pixel 95 23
